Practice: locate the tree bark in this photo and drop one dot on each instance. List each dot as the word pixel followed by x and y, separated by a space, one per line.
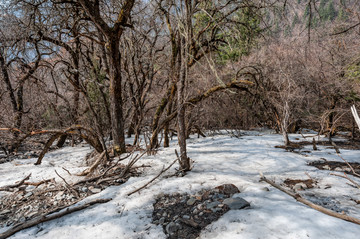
pixel 160 109
pixel 184 55
pixel 116 102
pixel 113 35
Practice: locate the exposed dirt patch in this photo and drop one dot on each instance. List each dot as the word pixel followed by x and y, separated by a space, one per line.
pixel 290 147
pixel 309 183
pixel 353 144
pixel 336 166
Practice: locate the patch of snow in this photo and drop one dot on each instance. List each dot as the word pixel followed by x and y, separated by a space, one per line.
pixel 219 159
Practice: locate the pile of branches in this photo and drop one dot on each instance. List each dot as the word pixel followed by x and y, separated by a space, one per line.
pixel 29 203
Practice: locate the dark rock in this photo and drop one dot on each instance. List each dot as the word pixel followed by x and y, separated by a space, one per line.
pixel 236 203
pixel 162 220
pixel 212 204
pixel 216 209
pixel 218 196
pixel 172 228
pixel 228 189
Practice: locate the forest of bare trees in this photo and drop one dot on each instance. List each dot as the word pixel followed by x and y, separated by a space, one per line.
pixel 106 70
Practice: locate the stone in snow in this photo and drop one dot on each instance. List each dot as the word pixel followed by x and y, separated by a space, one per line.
pixel 228 189
pixel 95 190
pixel 236 203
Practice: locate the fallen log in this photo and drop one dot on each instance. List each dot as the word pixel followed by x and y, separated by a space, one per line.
pixel 319 208
pixel 48 217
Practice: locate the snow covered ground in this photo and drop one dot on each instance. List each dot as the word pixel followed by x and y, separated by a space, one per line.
pixel 219 159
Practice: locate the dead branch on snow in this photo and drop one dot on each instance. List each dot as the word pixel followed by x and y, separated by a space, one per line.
pixel 298 198
pixel 48 217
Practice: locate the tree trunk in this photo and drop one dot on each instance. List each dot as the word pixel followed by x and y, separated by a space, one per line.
pixel 14 102
pixel 285 123
pixel 184 160
pixel 168 113
pixel 76 61
pixel 115 93
pixel 61 141
pixel 131 129
pixel 155 125
pixel 166 135
pixel 20 106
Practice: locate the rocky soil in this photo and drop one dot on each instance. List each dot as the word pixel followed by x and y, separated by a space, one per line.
pixel 184 216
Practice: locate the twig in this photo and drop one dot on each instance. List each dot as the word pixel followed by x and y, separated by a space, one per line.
pixel 93 167
pixel 68 185
pixel 302 135
pixel 346 30
pixel 37 184
pixel 335 147
pixel 309 136
pixel 6 188
pixel 348 164
pixel 48 217
pixel 307 174
pixel 67 171
pixel 113 166
pixel 314 144
pixel 177 157
pixel 11 129
pixel 131 163
pixel 102 175
pixel 106 171
pixel 347 177
pixel 310 204
pixel 152 180
pixel 110 179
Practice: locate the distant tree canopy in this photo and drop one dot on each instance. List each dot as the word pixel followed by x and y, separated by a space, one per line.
pixel 152 67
